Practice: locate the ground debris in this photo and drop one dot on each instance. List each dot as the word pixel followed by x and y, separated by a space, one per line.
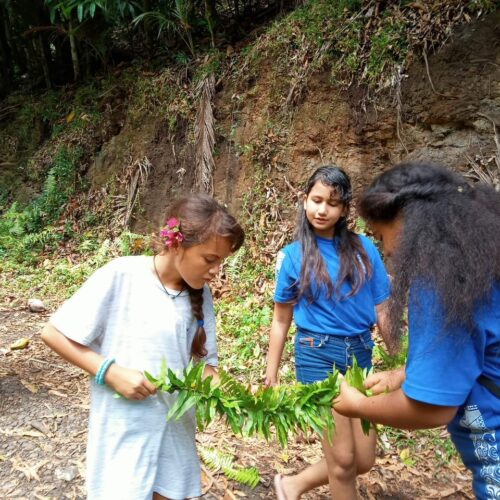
pixel 43 434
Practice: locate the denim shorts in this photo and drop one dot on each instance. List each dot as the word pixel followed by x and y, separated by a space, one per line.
pixel 316 354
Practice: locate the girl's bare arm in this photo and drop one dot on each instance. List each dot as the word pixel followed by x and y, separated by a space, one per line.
pixel 211 371
pixel 282 319
pixel 383 324
pixel 394 409
pixel 129 383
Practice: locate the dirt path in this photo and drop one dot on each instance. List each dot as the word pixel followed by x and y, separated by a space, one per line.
pixel 43 419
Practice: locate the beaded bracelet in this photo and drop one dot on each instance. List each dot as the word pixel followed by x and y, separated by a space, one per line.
pixel 101 373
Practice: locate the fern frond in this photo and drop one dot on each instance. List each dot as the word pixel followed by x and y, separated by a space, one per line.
pixel 219 461
pixel 249 476
pixel 214 459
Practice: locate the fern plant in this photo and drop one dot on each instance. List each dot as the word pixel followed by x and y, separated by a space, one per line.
pixel 219 461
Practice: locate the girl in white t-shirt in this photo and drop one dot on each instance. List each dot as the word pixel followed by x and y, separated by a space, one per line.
pixel 127 318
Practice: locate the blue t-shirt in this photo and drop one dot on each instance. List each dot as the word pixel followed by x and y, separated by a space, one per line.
pixel 442 369
pixel 343 316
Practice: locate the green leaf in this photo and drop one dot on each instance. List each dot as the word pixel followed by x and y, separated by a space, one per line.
pixel 217 461
pixel 156 382
pixel 80 12
pixel 182 404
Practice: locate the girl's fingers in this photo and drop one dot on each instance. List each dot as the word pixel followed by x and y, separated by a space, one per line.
pixel 378 389
pixel 141 392
pixel 270 382
pixel 149 386
pixel 372 380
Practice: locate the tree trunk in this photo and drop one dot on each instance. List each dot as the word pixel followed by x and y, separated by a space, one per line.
pixel 148 30
pixel 42 50
pixel 5 57
pixel 74 51
pixel 212 18
pixel 16 49
pixel 42 18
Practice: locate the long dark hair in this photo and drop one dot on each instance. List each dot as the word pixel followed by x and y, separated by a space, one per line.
pixel 355 265
pixel 450 238
pixel 201 217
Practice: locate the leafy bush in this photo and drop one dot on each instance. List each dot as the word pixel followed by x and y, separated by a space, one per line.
pixel 30 229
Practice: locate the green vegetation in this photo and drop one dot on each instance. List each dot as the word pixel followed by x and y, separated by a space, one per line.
pixel 56 42
pixel 385 361
pixel 357 42
pixel 149 58
pixel 288 409
pixel 55 277
pixel 24 233
pixel 219 461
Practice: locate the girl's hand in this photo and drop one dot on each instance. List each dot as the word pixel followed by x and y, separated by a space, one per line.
pixel 385 381
pixel 211 371
pixel 349 400
pixel 271 380
pixel 131 384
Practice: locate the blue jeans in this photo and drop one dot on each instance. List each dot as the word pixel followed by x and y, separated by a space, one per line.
pixel 316 354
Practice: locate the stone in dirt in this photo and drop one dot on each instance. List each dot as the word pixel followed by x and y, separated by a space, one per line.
pixel 36 305
pixel 66 473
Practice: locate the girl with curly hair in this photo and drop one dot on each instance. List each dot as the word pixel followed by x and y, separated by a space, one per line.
pixel 443 237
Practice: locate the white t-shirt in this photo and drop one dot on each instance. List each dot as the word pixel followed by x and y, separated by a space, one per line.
pixel 122 312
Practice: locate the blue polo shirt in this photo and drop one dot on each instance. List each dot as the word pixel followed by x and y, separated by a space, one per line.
pixel 443 365
pixel 343 316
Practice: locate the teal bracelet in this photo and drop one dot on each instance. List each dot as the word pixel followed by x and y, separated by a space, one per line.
pixel 101 373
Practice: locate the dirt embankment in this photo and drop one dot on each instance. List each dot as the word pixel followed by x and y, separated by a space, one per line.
pixel 444 110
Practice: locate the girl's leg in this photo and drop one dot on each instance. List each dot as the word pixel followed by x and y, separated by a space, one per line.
pixel 350 454
pixel 313 476
pixel 157 496
pixel 364 446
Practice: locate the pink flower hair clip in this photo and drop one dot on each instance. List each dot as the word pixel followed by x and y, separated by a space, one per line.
pixel 171 233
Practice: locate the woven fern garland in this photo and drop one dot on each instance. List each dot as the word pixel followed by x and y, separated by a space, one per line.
pixel 285 408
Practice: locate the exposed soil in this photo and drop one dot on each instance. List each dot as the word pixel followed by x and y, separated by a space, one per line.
pixel 43 419
pixel 446 115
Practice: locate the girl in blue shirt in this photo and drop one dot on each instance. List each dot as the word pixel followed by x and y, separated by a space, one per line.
pixel 443 236
pixel 333 283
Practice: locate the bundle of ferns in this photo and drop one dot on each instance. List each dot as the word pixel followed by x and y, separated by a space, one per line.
pixel 285 408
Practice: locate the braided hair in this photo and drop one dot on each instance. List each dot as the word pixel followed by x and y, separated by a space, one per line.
pixel 450 238
pixel 200 218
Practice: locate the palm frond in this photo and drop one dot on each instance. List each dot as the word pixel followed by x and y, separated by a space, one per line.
pixel 205 136
pixel 135 178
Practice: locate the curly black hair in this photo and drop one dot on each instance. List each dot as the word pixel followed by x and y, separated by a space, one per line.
pixel 450 238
